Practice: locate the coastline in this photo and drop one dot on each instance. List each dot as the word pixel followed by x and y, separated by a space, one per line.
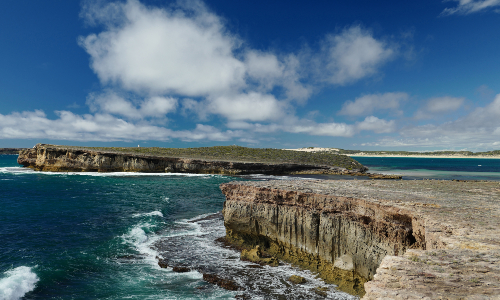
pixel 423 156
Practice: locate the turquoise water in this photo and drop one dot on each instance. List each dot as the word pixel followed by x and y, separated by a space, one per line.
pixel 97 236
pixel 436 168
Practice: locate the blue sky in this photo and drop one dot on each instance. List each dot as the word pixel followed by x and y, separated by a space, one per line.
pixel 396 75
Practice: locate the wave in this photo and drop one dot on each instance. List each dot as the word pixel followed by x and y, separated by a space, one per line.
pixel 21 170
pixel 153 213
pixel 17 282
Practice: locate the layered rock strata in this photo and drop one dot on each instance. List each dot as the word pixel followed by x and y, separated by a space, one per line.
pixel 398 239
pixel 60 159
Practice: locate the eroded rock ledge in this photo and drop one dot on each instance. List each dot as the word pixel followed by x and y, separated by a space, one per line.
pixel 59 159
pixel 398 239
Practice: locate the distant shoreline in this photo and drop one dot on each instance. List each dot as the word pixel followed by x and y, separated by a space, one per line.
pixel 424 156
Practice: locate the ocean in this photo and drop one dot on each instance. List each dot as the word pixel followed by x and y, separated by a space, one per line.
pixel 434 168
pixel 97 236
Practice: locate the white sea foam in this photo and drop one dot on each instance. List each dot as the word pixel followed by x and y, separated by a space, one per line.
pixel 21 170
pixel 17 282
pixel 138 239
pixel 153 213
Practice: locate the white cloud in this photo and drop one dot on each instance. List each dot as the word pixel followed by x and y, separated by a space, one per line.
pixel 111 102
pixel 146 58
pixel 465 7
pixel 164 51
pixel 252 106
pixel 324 129
pixel 98 127
pixel 353 54
pixel 439 106
pixel 367 104
pixel 377 125
pixel 480 129
pixel 185 50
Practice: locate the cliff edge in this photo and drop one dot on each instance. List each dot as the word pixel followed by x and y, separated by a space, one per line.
pixel 424 239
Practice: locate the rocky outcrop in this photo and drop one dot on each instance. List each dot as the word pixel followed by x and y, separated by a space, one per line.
pixel 59 159
pixel 379 235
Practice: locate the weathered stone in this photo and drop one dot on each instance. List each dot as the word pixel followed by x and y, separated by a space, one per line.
pixel 180 269
pixel 223 283
pixel 295 279
pixel 255 255
pixel 425 239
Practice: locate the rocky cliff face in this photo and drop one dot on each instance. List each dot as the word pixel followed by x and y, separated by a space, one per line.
pixel 342 238
pixel 413 239
pixel 59 159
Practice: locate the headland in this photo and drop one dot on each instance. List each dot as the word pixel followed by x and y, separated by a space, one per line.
pixel 229 160
pixel 424 239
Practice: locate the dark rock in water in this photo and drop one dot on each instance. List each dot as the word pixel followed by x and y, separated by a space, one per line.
pixel 255 266
pixel 163 263
pixel 178 269
pixel 243 297
pixel 297 279
pixel 321 291
pixel 223 283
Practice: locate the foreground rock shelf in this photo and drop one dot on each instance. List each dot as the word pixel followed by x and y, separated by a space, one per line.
pixel 425 239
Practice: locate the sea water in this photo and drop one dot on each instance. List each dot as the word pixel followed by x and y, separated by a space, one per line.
pixel 434 168
pixel 98 235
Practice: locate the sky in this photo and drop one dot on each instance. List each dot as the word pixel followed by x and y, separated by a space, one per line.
pixel 370 75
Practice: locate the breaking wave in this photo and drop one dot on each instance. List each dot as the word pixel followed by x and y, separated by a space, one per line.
pixel 17 282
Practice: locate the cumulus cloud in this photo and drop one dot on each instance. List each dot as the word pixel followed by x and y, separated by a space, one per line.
pixel 252 106
pixel 112 103
pixel 479 129
pixel 352 55
pixel 376 125
pixel 367 104
pixel 439 106
pixel 180 59
pixel 465 7
pixel 185 51
pixel 164 51
pixel 98 127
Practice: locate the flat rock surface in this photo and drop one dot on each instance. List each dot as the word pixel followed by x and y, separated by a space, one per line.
pixel 462 217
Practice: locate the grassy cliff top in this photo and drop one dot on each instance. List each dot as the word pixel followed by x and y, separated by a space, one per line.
pixel 236 154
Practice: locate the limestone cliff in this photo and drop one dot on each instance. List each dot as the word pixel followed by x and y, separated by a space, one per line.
pixel 344 239
pixel 412 239
pixel 60 159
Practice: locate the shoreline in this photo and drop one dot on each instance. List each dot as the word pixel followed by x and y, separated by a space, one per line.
pixel 424 156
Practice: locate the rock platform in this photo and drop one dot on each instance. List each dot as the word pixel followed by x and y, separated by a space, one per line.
pixel 428 239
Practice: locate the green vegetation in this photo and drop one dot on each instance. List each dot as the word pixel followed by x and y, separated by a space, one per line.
pixel 236 154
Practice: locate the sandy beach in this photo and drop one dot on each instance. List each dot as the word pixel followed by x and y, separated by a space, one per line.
pixel 319 149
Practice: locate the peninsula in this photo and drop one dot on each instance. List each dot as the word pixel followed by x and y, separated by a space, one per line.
pixel 230 160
